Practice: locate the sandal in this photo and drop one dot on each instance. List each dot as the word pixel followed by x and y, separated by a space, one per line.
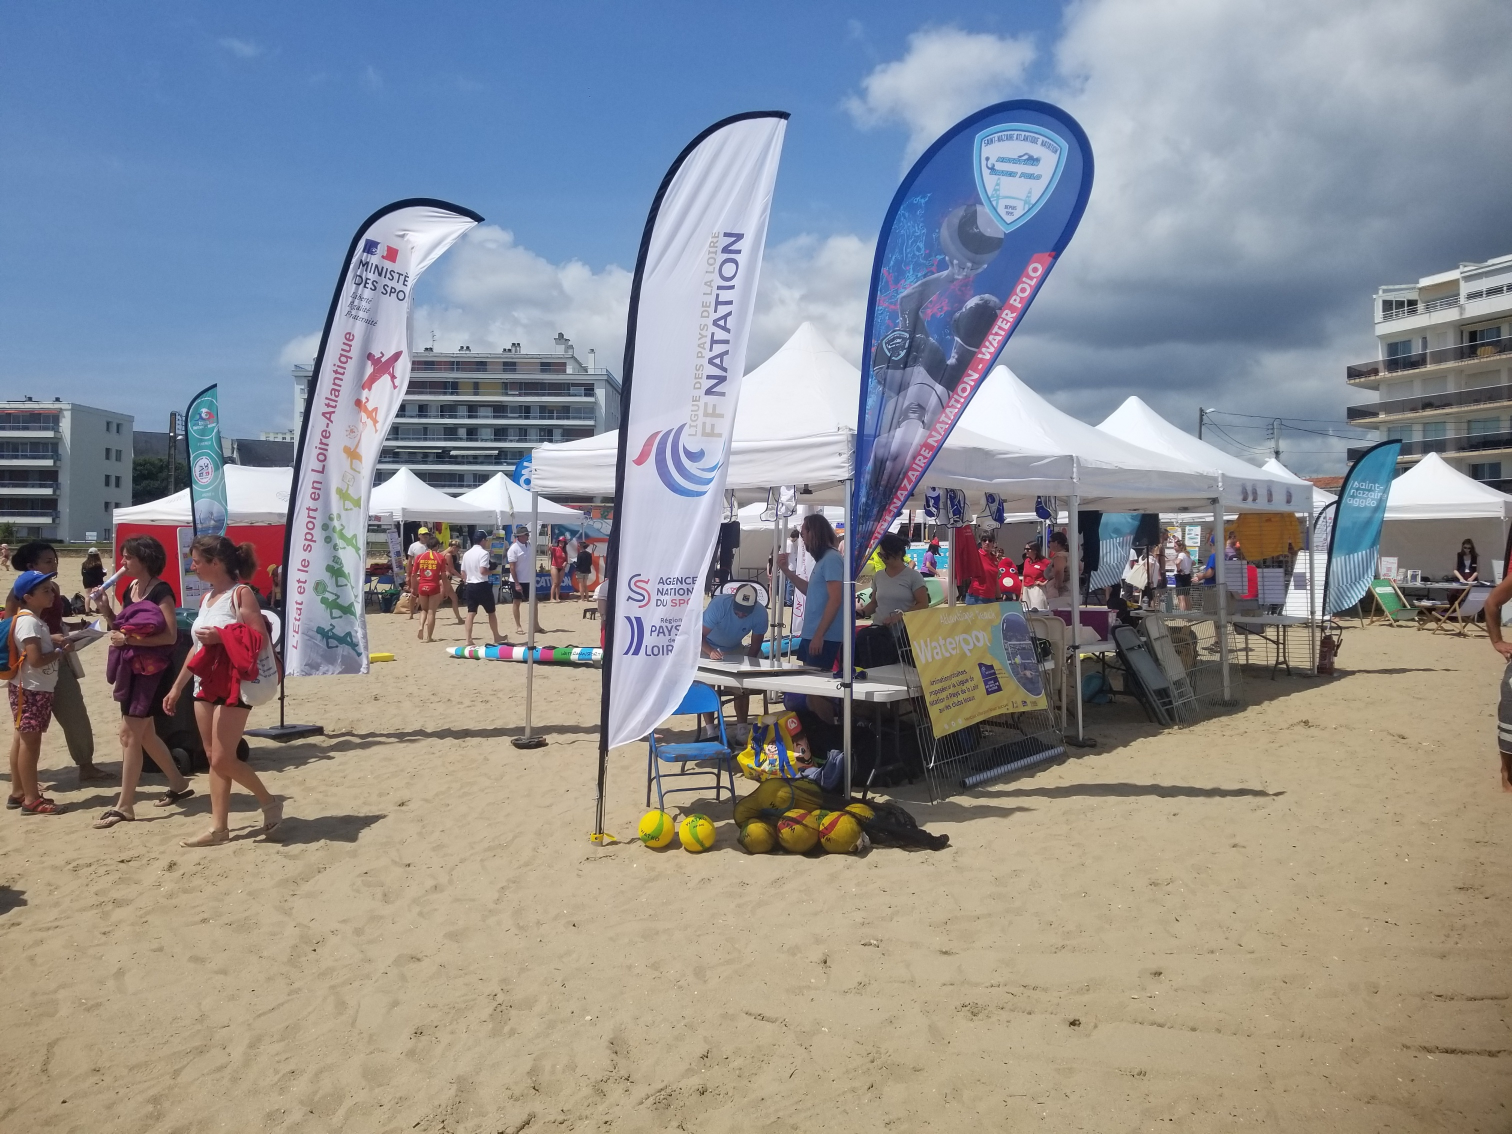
pixel 272 816
pixel 170 797
pixel 43 806
pixel 13 802
pixel 111 817
pixel 211 838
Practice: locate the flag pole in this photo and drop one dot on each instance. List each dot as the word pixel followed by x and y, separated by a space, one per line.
pixel 529 741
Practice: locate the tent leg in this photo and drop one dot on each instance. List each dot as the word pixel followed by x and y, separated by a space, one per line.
pixel 1220 542
pixel 1075 558
pixel 848 642
pixel 529 740
pixel 775 611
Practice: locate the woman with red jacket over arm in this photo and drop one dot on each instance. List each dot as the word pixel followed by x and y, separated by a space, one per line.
pixel 222 720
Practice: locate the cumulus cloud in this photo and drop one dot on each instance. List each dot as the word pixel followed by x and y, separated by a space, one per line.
pixel 241 48
pixel 817 280
pixel 1262 166
pixel 299 351
pixel 945 74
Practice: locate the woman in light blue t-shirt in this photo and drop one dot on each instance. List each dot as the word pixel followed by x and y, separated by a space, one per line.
pixel 823 629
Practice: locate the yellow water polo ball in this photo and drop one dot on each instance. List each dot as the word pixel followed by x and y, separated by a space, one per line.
pixel 839 832
pixel 798 831
pixel 860 810
pixel 696 833
pixel 758 837
pixel 657 829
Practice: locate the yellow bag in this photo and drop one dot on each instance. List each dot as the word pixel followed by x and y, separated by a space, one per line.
pixel 775 746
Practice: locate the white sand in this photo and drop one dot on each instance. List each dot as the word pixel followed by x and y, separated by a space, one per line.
pixel 1294 919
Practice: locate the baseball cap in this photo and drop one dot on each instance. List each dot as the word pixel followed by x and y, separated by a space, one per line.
pixel 94 551
pixel 745 596
pixel 28 581
pixel 423 531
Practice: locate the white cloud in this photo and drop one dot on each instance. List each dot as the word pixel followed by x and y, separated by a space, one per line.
pixel 1262 167
pixel 809 279
pixel 241 48
pixel 299 351
pixel 494 292
pixel 945 75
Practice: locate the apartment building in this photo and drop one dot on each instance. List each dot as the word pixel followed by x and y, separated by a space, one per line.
pixel 1441 378
pixel 470 414
pixel 64 469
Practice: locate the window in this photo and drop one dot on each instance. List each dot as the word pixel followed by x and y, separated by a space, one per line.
pixel 422 410
pixel 118 454
pixel 1399 433
pixel 1487 470
pixel 1484 425
pixel 1483 335
pixel 1433 430
pixel 107 452
pixel 107 480
pixel 1396 308
pixel 118 482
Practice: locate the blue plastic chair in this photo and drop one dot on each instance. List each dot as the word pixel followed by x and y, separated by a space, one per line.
pixel 699 698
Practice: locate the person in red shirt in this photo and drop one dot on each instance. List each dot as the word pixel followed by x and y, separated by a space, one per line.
pixel 984 584
pixel 1032 577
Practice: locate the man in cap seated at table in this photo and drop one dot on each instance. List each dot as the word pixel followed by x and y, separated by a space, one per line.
pixel 728 622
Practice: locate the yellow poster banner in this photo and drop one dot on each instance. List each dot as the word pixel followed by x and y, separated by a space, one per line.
pixel 974 662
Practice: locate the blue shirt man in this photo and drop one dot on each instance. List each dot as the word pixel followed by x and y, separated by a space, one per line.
pixel 829 569
pixel 729 618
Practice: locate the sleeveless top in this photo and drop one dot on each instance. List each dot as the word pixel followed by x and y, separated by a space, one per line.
pixel 217 613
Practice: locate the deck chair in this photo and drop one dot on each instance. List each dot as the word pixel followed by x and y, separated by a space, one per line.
pixel 1395 607
pixel 708 757
pixel 1462 614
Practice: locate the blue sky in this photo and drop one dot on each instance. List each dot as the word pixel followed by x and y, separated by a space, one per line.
pixel 184 178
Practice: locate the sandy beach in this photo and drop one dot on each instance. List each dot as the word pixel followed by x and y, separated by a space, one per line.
pixel 1292 919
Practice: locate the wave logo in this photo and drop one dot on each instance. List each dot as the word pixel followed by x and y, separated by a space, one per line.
pixel 681 468
pixel 640 590
pixel 637 628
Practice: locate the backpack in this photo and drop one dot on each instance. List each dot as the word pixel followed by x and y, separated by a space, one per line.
pixel 13 654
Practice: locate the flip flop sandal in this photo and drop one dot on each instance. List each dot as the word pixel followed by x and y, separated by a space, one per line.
pixel 111 817
pixel 208 839
pixel 41 807
pixel 171 797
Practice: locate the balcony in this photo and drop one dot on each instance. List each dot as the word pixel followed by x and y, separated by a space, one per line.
pixel 1416 308
pixel 9 486
pixel 1459 443
pixel 1444 356
pixel 1455 399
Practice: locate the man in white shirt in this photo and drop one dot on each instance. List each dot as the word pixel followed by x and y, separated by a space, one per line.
pixel 522 573
pixel 476 590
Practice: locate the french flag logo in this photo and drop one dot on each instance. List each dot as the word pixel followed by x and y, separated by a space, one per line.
pixel 389 252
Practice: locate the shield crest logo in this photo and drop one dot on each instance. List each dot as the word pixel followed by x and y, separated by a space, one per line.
pixel 1017 167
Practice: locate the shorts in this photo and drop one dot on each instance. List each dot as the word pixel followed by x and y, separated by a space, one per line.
pixel 978 600
pixel 140 695
pixel 520 592
pixel 428 591
pixel 824 660
pixel 478 594
pixel 31 709
pixel 1503 712
pixel 1183 580
pixel 237 704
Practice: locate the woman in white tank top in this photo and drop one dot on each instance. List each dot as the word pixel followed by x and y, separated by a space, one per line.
pixel 222 564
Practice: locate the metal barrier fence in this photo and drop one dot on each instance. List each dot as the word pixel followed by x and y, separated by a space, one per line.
pixel 980 752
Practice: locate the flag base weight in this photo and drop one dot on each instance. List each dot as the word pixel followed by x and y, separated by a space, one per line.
pixel 529 742
pixel 286 732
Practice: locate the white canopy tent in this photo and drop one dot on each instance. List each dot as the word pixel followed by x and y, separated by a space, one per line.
pixel 405 497
pixel 253 496
pixel 1245 487
pixel 1433 508
pixel 510 504
pixel 1304 598
pixel 795 424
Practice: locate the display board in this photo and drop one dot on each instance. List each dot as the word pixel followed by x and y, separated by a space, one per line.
pixel 974 662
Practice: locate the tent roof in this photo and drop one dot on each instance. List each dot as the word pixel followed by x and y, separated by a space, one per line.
pixel 1320 497
pixel 794 425
pixel 404 497
pixel 1433 489
pixel 1006 414
pixel 1245 487
pixel 505 498
pixel 253 496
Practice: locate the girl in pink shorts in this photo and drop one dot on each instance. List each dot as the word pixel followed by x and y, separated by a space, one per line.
pixel 31 689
